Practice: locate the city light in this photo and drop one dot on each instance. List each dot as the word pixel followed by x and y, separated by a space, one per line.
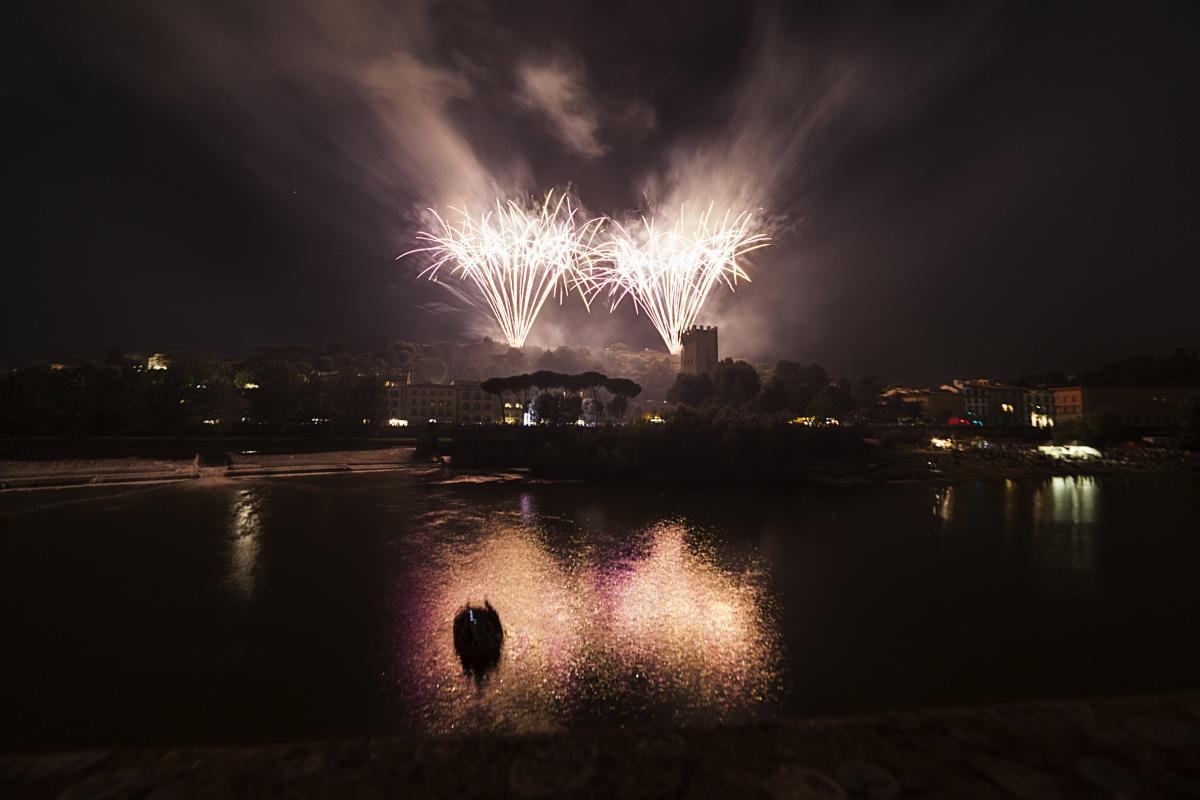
pixel 1069 451
pixel 815 422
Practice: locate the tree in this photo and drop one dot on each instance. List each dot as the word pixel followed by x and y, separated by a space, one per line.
pixel 691 390
pixel 554 408
pixel 866 391
pixel 833 400
pixel 735 382
pixel 795 386
pixel 571 409
pixel 622 386
pixel 617 406
pixel 496 386
pixel 545 379
pixel 1099 429
pixel 520 386
pixel 1102 429
pixel 592 381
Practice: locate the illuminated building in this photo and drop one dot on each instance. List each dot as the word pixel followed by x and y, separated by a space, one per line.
pixel 453 403
pixel 1039 408
pixel 991 403
pixel 699 354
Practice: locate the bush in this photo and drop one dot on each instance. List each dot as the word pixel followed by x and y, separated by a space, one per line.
pixel 700 447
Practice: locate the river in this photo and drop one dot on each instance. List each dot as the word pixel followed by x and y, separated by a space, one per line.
pixel 275 609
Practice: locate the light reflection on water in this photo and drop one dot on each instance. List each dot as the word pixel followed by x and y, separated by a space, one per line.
pixel 321 608
pixel 1067 499
pixel 244 542
pixel 1060 515
pixel 661 629
pixel 1064 537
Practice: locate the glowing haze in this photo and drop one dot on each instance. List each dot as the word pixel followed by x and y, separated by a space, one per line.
pixel 516 256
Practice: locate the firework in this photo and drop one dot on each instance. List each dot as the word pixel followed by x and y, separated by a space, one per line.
pixel 668 273
pixel 517 257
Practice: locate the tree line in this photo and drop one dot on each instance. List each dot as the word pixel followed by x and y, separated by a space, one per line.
pixel 790 388
pixel 273 391
pixel 560 397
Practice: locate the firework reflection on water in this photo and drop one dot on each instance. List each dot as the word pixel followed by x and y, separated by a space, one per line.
pixel 661 627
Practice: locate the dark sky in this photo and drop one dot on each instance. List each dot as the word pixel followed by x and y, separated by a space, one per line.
pixel 957 189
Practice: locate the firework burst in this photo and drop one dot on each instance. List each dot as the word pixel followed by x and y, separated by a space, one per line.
pixel 668 273
pixel 517 256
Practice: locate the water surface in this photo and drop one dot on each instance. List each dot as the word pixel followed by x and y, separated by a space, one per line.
pixel 275 609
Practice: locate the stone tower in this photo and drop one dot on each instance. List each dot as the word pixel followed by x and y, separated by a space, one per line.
pixel 699 350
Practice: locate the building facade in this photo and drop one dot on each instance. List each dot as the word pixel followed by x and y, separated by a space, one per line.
pixel 991 403
pixel 699 354
pixel 476 406
pixel 1039 408
pixel 456 403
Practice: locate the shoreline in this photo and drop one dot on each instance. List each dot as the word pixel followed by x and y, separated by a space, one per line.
pixel 72 473
pixel 896 468
pixel 1136 746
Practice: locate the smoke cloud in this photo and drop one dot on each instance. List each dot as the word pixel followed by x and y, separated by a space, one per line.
pixel 557 90
pixel 803 103
pixel 801 99
pixel 369 113
pixel 355 91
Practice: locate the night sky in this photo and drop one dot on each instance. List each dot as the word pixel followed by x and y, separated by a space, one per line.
pixel 956 189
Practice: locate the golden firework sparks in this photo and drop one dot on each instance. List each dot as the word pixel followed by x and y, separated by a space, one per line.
pixel 668 273
pixel 516 255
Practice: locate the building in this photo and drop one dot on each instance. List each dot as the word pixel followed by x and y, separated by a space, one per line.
pixel 475 405
pixel 699 354
pixel 1137 406
pixel 394 388
pixel 991 403
pixel 453 403
pixel 1039 408
pixel 938 406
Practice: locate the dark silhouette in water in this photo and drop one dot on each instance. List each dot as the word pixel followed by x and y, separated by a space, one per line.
pixel 478 636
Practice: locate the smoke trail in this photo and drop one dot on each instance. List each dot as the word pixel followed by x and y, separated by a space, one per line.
pixel 349 99
pixel 805 99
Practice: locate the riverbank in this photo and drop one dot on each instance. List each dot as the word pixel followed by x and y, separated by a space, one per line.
pixel 878 466
pixel 68 472
pixel 1124 747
